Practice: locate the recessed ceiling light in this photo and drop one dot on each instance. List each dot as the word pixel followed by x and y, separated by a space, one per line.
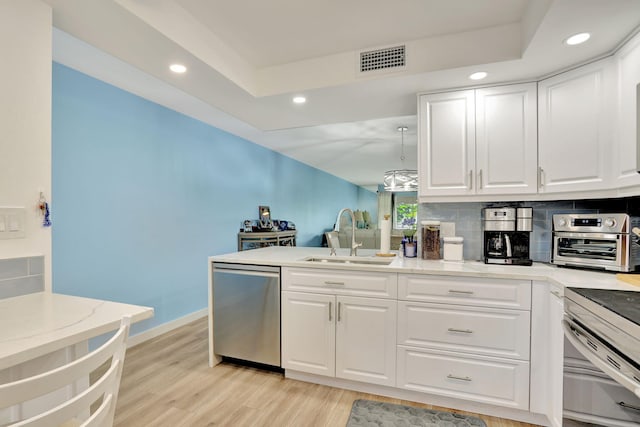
pixel 577 39
pixel 299 100
pixel 178 68
pixel 478 76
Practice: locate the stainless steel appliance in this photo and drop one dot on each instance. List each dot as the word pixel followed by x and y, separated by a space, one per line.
pixel 604 326
pixel 506 235
pixel 601 241
pixel 246 312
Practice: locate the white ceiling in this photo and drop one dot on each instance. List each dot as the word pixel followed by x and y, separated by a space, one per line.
pixel 247 58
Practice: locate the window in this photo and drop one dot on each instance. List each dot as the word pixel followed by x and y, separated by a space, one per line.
pixel 405 210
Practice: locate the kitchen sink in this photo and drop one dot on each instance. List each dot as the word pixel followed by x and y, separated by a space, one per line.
pixel 349 260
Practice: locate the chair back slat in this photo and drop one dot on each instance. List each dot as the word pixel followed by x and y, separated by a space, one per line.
pixel 106 386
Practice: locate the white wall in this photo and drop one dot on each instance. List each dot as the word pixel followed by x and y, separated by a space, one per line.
pixel 25 122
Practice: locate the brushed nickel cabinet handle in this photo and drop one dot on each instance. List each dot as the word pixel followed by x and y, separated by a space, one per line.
pixel 557 294
pixel 541 176
pixel 471 180
pixel 329 282
pixel 454 291
pixel 480 180
pixel 339 311
pixel 330 310
pixel 454 377
pixel 462 331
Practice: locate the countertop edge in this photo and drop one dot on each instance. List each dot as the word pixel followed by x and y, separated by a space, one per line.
pixel 560 276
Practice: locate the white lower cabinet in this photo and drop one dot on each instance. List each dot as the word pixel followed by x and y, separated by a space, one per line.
pixel 459 337
pixel 477 330
pixel 555 342
pixel 366 340
pixel 491 380
pixel 465 337
pixel 308 333
pixel 347 337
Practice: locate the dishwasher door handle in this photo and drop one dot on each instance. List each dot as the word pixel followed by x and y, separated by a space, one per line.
pixel 247 273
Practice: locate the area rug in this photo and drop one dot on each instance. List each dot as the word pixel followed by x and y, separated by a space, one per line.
pixel 368 413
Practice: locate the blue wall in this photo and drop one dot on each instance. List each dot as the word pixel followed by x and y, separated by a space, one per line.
pixel 142 195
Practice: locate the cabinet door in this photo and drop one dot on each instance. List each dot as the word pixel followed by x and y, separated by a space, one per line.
pixel 308 333
pixel 627 156
pixel 507 140
pixel 446 146
pixel 366 340
pixel 575 132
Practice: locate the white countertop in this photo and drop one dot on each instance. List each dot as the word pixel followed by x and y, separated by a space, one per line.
pixel 287 256
pixel 36 324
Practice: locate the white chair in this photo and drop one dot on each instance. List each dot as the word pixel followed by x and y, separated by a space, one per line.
pixel 75 410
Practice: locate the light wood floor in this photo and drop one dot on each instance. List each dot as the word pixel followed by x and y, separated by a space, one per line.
pixel 167 382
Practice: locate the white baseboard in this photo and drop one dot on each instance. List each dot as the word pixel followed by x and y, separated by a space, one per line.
pixel 165 327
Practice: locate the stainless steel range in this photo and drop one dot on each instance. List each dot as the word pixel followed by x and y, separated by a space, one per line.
pixel 604 326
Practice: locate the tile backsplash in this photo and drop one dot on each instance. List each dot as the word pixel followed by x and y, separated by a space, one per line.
pixel 468 219
pixel 20 276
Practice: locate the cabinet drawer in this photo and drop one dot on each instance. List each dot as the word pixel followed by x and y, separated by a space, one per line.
pixel 489 380
pixel 340 282
pixel 501 293
pixel 477 330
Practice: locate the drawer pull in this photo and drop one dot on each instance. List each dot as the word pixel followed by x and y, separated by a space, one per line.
pixel 557 294
pixel 627 406
pixel 329 282
pixel 453 377
pixel 339 311
pixel 462 331
pixel 330 310
pixel 454 291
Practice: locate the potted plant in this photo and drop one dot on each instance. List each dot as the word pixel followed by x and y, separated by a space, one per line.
pixel 409 244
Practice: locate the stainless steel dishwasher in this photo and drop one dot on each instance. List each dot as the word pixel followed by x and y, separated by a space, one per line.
pixel 246 312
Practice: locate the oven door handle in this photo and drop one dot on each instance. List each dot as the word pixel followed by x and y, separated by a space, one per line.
pixel 622 379
pixel 587 235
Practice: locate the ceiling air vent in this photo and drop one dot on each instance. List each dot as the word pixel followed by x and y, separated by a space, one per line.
pixel 380 59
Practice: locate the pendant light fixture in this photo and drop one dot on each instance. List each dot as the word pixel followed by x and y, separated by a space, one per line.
pixel 401 179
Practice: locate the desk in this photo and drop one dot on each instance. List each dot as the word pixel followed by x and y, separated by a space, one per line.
pixel 43 330
pixel 268 238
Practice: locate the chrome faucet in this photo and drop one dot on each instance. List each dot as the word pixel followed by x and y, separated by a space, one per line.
pixel 354 245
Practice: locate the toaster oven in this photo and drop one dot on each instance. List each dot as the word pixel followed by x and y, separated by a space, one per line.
pixel 602 241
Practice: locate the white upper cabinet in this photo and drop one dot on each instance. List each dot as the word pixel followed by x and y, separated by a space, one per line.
pixel 575 115
pixel 478 142
pixel 446 148
pixel 506 140
pixel 625 160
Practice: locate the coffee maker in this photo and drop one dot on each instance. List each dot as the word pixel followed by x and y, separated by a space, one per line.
pixel 506 235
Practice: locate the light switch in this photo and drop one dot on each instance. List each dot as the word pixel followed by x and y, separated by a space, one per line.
pixel 12 223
